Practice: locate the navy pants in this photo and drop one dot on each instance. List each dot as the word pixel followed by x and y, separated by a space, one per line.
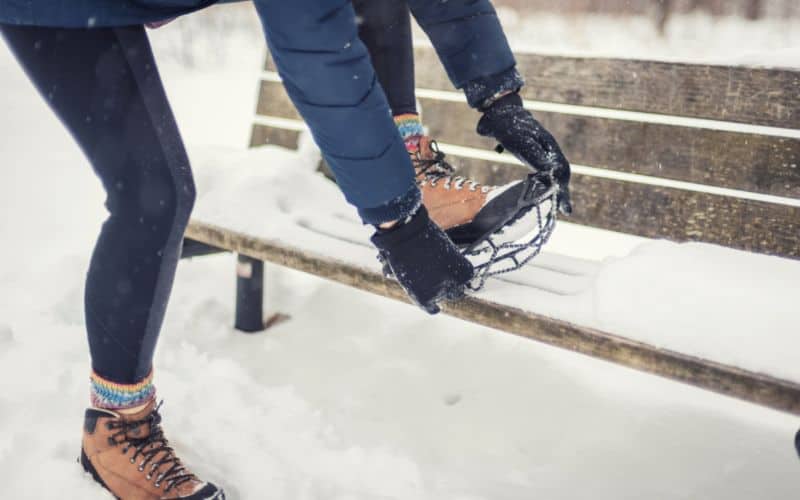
pixel 385 28
pixel 104 86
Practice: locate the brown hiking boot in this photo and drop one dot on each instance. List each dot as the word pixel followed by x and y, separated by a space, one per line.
pixel 467 211
pixel 130 457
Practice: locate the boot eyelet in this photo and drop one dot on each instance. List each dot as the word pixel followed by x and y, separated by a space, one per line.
pixel 140 468
pixel 133 460
pixel 149 476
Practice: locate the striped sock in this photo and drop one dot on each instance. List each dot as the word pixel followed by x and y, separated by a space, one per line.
pixel 411 130
pixel 112 396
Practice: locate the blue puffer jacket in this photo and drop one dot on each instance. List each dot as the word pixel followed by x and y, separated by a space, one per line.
pixel 328 75
pixel 94 13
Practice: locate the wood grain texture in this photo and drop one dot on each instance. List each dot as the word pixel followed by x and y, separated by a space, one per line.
pixel 678 215
pixel 729 93
pixel 273 101
pixel 262 135
pixel 747 162
pixel 644 210
pixel 661 212
pixel 757 388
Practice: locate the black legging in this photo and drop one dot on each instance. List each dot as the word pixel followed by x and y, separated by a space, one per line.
pixel 104 86
pixel 385 28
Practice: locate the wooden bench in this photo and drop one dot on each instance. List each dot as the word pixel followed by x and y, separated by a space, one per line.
pixel 662 150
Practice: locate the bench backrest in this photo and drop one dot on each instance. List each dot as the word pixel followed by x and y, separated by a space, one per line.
pixel 663 150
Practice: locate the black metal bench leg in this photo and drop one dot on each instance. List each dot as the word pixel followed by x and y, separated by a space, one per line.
pixel 249 295
pixel 797 443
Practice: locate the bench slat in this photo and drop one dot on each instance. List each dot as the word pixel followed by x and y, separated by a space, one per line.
pixel 273 101
pixel 749 386
pixel 747 162
pixel 737 94
pixel 755 96
pixel 650 211
pixel 263 135
pixel 664 212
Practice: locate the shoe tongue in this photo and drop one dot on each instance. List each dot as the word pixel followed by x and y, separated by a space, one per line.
pixel 424 148
pixel 143 429
pixel 425 156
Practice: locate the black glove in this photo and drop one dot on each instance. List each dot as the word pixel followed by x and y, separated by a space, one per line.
pixel 424 261
pixel 515 128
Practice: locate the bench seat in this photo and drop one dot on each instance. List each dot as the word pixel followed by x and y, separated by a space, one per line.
pixel 269 203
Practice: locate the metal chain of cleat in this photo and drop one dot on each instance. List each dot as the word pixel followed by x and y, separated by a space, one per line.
pixel 513 255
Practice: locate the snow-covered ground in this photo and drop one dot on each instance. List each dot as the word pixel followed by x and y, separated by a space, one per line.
pixel 357 397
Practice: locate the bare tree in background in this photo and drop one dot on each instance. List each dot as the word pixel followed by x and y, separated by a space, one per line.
pixel 754 9
pixel 663 11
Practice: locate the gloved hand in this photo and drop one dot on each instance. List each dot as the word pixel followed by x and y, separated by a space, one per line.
pixel 515 128
pixel 424 261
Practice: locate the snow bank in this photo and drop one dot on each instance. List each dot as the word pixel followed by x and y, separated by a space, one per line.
pixel 739 308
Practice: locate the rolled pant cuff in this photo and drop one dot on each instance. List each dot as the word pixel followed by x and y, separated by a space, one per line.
pixel 482 92
pixel 396 209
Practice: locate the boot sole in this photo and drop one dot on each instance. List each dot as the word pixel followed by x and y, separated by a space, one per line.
pixel 470 236
pixel 88 467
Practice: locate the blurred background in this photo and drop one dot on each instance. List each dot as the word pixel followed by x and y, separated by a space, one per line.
pixel 753 32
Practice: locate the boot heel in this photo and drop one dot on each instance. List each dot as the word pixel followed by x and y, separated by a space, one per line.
pixel 88 467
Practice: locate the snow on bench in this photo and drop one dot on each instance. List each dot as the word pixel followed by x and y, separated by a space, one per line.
pixel 722 171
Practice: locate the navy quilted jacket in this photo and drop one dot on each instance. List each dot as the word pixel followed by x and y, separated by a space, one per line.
pixel 327 71
pixel 94 13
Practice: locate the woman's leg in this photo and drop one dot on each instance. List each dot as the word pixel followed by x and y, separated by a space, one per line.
pixel 104 86
pixel 385 28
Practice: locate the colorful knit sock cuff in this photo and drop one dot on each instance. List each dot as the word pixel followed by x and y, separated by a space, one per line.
pixel 113 396
pixel 411 130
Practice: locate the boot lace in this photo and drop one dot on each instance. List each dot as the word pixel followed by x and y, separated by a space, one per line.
pixel 153 449
pixel 437 168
